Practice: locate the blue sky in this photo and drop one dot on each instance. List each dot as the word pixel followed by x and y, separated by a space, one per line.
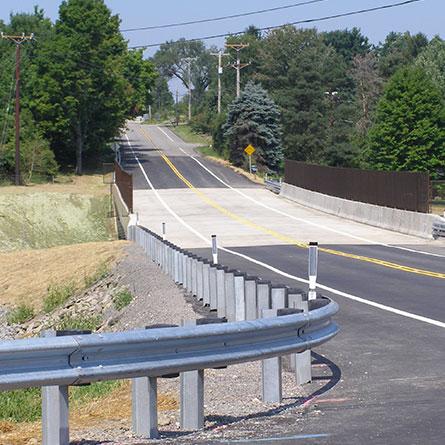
pixel 426 16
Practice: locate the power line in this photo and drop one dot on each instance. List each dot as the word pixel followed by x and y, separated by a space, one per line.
pixel 299 22
pixel 215 19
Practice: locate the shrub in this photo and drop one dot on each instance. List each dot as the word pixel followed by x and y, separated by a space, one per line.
pixel 20 314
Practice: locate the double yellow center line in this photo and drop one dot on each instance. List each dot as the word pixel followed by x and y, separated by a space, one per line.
pixel 286 238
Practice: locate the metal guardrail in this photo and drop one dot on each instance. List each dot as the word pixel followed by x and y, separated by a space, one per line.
pixel 438 229
pixel 81 359
pixel 266 322
pixel 274 186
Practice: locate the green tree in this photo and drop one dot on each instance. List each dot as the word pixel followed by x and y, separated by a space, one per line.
pixel 399 51
pixel 253 119
pixel 162 96
pixel 410 125
pixel 141 76
pixel 80 96
pixel 171 61
pixel 432 60
pixel 348 43
pixel 309 81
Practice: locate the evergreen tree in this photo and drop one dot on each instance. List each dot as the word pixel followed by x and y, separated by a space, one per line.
pixel 253 119
pixel 410 126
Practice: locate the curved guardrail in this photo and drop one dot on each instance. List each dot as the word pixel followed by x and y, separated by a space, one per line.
pixel 266 322
pixel 87 358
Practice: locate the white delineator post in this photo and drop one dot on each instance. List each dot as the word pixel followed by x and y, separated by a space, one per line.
pixel 313 266
pixel 163 232
pixel 214 250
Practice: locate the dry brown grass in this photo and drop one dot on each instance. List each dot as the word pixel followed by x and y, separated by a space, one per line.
pixel 85 185
pixel 238 170
pixel 26 274
pixel 114 407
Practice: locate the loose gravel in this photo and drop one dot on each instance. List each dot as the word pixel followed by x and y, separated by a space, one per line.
pixel 233 407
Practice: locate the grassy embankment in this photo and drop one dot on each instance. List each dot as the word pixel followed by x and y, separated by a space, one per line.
pixel 55 241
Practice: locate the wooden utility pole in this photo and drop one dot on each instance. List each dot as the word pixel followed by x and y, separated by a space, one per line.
pixel 18 41
pixel 238 66
pixel 189 60
pixel 219 54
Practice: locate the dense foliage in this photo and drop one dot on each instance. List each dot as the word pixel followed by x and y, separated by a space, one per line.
pixel 80 83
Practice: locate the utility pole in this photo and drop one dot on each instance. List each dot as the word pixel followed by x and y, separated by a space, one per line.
pixel 238 66
pixel 177 115
pixel 18 41
pixel 189 60
pixel 220 70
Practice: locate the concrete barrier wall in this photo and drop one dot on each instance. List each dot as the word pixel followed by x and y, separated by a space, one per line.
pixel 412 223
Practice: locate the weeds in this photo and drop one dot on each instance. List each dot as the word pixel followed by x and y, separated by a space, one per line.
pixel 88 322
pixel 20 314
pixel 24 405
pixel 101 272
pixel 122 299
pixel 57 295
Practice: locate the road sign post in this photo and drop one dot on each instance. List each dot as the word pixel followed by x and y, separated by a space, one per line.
pixel 250 150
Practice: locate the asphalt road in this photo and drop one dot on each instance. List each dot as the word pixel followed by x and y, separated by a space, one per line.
pixel 382 378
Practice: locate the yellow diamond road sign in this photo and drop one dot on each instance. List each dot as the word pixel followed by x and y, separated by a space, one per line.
pixel 249 150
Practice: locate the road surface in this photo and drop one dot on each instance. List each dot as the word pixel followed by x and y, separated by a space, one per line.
pixel 381 380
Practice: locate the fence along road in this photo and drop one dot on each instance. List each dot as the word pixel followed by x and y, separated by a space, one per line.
pixel 395 292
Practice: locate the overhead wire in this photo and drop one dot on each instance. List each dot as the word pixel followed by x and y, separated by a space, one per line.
pixel 215 19
pixel 299 22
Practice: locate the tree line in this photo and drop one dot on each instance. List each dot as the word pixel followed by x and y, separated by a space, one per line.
pixel 79 83
pixel 340 101
pixel 329 98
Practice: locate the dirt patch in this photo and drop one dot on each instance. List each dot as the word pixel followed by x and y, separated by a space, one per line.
pixel 27 274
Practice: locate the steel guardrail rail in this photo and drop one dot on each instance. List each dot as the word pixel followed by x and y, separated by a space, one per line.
pixel 274 186
pixel 88 358
pixel 438 229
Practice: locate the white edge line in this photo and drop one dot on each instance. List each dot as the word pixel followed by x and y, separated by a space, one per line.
pixel 310 222
pixel 160 129
pixel 280 272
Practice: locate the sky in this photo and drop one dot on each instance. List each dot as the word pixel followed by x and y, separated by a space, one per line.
pixel 426 16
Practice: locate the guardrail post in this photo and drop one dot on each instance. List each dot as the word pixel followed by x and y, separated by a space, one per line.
pixel 229 290
pixel 240 298
pixel 206 283
pixel 192 395
pixel 278 295
pixel 55 410
pixel 144 393
pixel 220 291
pixel 213 288
pixel 271 371
pixel 300 362
pixel 195 276
pixel 188 276
pixel 251 297
pixel 200 279
pixel 144 403
pixel 263 296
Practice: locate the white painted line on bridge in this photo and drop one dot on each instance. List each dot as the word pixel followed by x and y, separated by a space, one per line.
pixel 280 272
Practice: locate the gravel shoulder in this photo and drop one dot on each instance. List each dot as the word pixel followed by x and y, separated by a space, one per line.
pixel 233 407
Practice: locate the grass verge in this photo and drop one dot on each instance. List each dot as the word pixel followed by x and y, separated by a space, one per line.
pixel 20 314
pixel 186 133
